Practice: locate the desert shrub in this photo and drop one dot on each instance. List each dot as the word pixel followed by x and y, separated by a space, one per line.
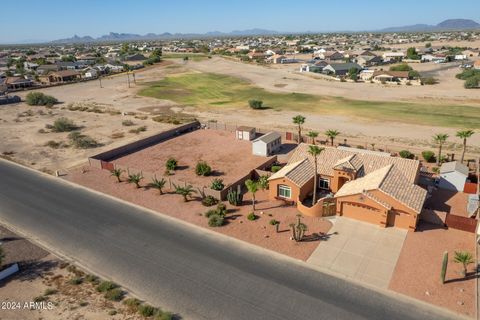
pixel 114 295
pixel 50 291
pixel 401 67
pixel 436 169
pixel 217 184
pixel 127 123
pixel 91 278
pixel 40 99
pixel 138 130
pixel 276 168
pixel 220 210
pixel 40 299
pixel 83 304
pixel 273 222
pixel 132 304
pixel 215 220
pixel 251 216
pixel 210 213
pixel 117 135
pixel 406 154
pixel 63 125
pixel 164 316
pixel 255 104
pixel 105 286
pixel 171 164
pixel 429 156
pixel 146 310
pixel 81 141
pixel 53 144
pixel 203 169
pixel 75 281
pixel 429 81
pixel 112 312
pixel 472 82
pixel 209 201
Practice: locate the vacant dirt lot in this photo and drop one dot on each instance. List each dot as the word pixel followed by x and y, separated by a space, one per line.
pixel 417 273
pixel 230 159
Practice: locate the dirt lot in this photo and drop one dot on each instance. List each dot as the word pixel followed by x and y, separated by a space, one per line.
pixel 229 158
pixel 47 280
pixel 417 273
pixel 258 232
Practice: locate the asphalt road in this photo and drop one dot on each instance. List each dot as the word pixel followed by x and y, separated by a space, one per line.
pixel 181 268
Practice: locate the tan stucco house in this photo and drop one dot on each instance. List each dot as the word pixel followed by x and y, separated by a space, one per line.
pixel 362 185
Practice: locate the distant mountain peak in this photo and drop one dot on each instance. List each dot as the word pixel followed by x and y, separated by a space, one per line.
pixel 450 24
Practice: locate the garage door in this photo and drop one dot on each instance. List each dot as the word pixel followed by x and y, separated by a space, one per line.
pixel 400 220
pixel 363 213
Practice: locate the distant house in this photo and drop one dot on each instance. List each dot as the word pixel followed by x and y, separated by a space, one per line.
pixel 91 73
pixel 255 55
pixel 393 56
pixel 390 76
pixel 267 144
pixel 277 58
pixel 15 83
pixel 61 76
pixel 366 75
pixel 245 133
pixel 332 56
pixel 341 69
pixel 30 66
pixel 368 61
pixel 453 176
pixel 46 68
pixel 134 57
pixel 476 65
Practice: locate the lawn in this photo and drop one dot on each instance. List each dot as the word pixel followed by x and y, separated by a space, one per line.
pixel 208 90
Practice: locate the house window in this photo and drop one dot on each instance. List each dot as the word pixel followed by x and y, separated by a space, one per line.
pixel 324 184
pixel 284 191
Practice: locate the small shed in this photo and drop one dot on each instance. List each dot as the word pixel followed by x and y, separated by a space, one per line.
pixel 267 144
pixel 453 176
pixel 245 133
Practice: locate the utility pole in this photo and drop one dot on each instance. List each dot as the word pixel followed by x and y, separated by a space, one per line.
pixel 134 80
pixel 100 80
pixel 128 79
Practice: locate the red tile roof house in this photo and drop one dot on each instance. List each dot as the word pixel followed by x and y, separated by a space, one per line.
pixel 363 185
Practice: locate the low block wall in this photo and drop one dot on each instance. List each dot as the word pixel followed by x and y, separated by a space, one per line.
pixel 9 271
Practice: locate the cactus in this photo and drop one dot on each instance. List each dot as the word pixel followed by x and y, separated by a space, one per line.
pixel 444 266
pixel 298 229
pixel 235 198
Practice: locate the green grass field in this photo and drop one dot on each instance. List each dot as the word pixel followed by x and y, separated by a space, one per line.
pixel 206 90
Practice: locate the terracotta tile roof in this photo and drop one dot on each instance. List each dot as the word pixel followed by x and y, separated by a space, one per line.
pixel 299 172
pixel 377 200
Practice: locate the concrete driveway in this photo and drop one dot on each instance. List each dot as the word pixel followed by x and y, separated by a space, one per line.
pixel 360 251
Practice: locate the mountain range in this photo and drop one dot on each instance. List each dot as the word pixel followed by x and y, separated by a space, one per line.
pixel 447 25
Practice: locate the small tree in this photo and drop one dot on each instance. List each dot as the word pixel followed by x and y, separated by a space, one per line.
pixel 315 151
pixel 203 169
pixel 406 154
pixel 186 191
pixel 252 187
pixel 332 134
pixel 440 139
pixel 464 135
pixel 135 178
pixel 255 104
pixel 263 182
pixel 464 258
pixel 353 74
pixel 171 164
pixel 428 156
pixel 313 135
pixel 117 173
pixel 299 120
pixel 158 184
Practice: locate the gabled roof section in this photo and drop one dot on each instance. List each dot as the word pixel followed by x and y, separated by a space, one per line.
pixel 454 166
pixel 269 137
pixel 369 182
pixel 298 173
pixel 350 162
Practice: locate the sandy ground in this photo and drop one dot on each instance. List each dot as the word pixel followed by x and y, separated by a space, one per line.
pixel 41 271
pixel 417 273
pixel 258 232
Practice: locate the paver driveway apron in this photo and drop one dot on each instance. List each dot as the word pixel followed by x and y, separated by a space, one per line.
pixel 361 251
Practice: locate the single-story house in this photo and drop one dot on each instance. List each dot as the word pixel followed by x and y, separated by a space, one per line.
pixel 245 133
pixel 332 56
pixel 46 68
pixel 393 56
pixel 341 69
pixel 61 76
pixel 91 73
pixel 15 83
pixel 453 176
pixel 267 144
pixel 276 58
pixel 390 76
pixel 134 57
pixel 366 75
pixel 365 186
pixel 368 61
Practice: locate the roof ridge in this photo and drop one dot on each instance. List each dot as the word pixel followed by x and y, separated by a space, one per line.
pixel 386 174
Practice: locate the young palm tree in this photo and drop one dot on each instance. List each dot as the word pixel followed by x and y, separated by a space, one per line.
pixel 185 191
pixel 252 187
pixel 440 139
pixel 135 178
pixel 299 120
pixel 313 135
pixel 315 151
pixel 465 258
pixel 464 134
pixel 117 173
pixel 332 134
pixel 158 184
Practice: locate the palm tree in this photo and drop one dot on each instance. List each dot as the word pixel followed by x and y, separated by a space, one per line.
pixel 315 151
pixel 313 135
pixel 465 258
pixel 464 134
pixel 440 139
pixel 252 187
pixel 135 178
pixel 117 173
pixel 185 191
pixel 299 120
pixel 158 184
pixel 332 134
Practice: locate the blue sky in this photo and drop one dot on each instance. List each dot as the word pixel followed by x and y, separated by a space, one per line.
pixel 54 19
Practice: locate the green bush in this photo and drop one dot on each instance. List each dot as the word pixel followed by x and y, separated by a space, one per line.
pixel 63 125
pixel 276 168
pixel 429 81
pixel 203 169
pixel 171 164
pixel 132 304
pixel 472 82
pixel 114 295
pixel 138 130
pixel 91 278
pixel 406 154
pixel 75 281
pixel 251 216
pixel 428 156
pixel 209 201
pixel 274 222
pixel 81 141
pixel 255 104
pixel 105 286
pixel 146 310
pixel 40 99
pixel 215 220
pixel 217 184
pixel 221 210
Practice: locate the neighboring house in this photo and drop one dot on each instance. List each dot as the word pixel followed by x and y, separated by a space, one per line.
pixel 15 83
pixel 30 66
pixel 91 73
pixel 245 133
pixel 134 57
pixel 113 68
pixel 368 61
pixel 277 58
pixel 340 69
pixel 332 56
pixel 370 187
pixel 46 68
pixel 61 76
pixel 390 76
pixel 366 75
pixel 267 144
pixel 255 55
pixel 453 176
pixel 393 56
pixel 476 65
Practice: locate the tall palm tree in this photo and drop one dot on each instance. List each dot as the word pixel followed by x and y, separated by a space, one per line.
pixel 186 191
pixel 440 139
pixel 313 135
pixel 135 178
pixel 464 134
pixel 299 120
pixel 332 134
pixel 315 151
pixel 117 173
pixel 158 184
pixel 252 187
pixel 464 258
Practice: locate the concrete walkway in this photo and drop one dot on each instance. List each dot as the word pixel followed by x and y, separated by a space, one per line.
pixel 361 251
